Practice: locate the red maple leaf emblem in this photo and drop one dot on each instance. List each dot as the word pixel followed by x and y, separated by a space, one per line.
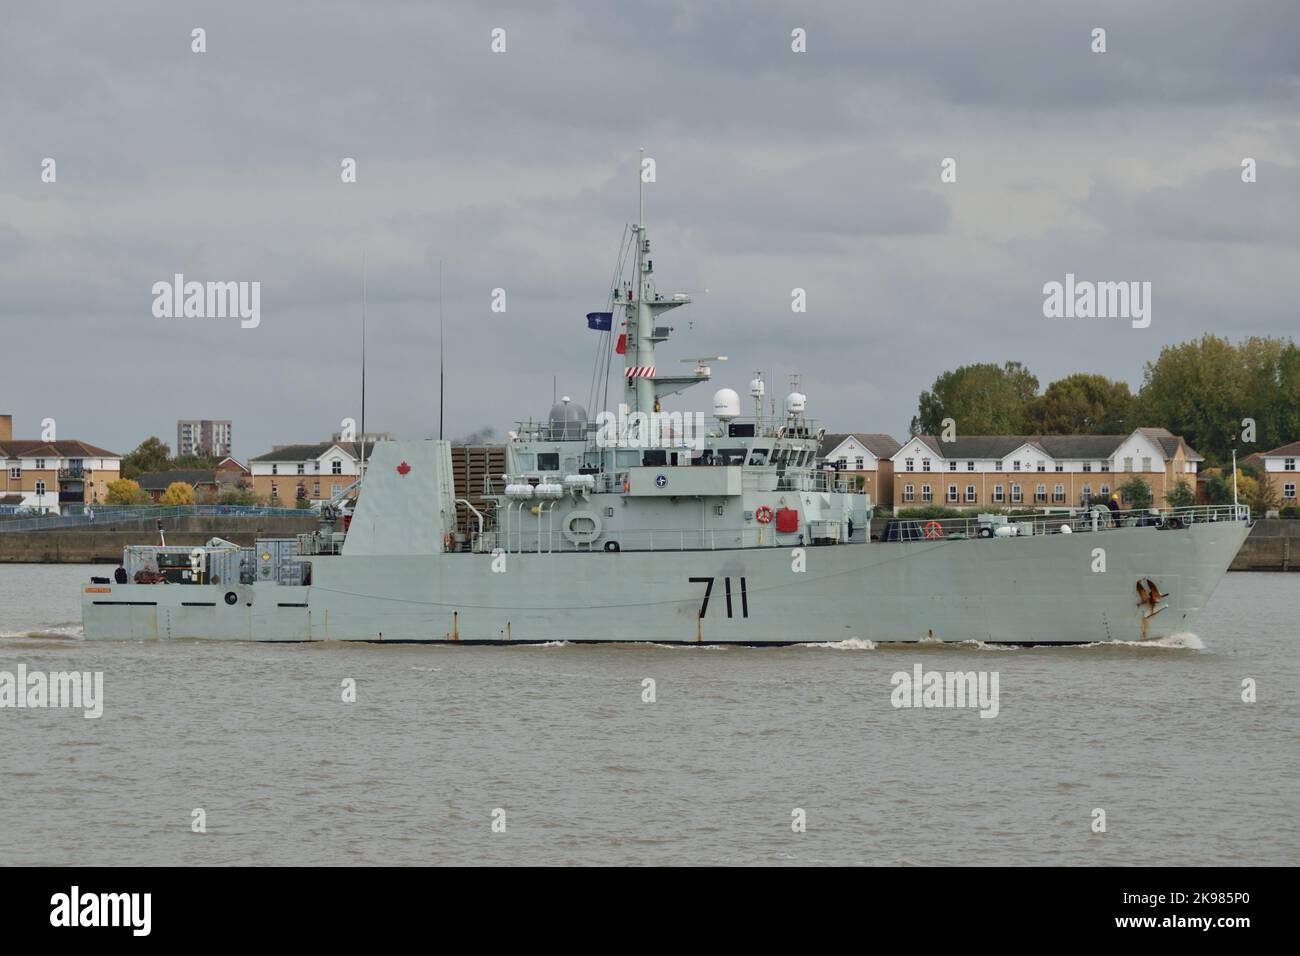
pixel 403 468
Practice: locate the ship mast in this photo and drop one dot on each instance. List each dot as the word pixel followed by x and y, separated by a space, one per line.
pixel 643 386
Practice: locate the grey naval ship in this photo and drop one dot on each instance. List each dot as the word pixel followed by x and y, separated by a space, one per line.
pixel 674 528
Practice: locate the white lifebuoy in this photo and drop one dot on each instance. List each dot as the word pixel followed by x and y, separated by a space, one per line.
pixel 582 535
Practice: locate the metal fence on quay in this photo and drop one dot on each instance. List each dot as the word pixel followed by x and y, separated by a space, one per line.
pixel 113 515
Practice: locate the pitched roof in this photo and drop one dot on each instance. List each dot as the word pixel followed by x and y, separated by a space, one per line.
pixel 1060 447
pixel 306 452
pixel 70 448
pixel 1284 451
pixel 160 480
pixel 11 499
pixel 880 445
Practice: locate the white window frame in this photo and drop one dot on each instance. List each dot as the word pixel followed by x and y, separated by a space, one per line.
pixel 953 496
pixel 1017 495
pixel 1058 494
pixel 927 494
pixel 909 492
pixel 999 494
pixel 970 494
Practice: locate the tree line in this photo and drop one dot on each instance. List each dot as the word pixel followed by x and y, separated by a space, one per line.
pixel 1203 390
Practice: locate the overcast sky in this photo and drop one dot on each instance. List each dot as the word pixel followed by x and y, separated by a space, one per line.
pixel 775 170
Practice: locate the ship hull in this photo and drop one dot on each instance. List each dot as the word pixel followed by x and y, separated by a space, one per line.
pixel 1041 589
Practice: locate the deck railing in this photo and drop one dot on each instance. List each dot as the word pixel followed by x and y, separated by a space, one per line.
pixel 1067 521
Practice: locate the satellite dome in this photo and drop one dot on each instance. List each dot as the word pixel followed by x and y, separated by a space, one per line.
pixel 796 402
pixel 726 404
pixel 568 420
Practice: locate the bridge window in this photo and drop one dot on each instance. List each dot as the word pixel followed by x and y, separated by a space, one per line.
pixel 548 461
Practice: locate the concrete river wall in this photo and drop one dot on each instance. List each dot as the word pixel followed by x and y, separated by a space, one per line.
pixel 1273 545
pixel 103 543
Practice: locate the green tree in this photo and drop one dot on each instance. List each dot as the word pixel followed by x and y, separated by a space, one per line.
pixel 1263 498
pixel 985 399
pixel 238 497
pixel 1180 495
pixel 1204 389
pixel 1081 404
pixel 150 455
pixel 1136 491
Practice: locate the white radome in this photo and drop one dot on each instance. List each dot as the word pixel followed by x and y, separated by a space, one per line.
pixel 796 402
pixel 726 404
